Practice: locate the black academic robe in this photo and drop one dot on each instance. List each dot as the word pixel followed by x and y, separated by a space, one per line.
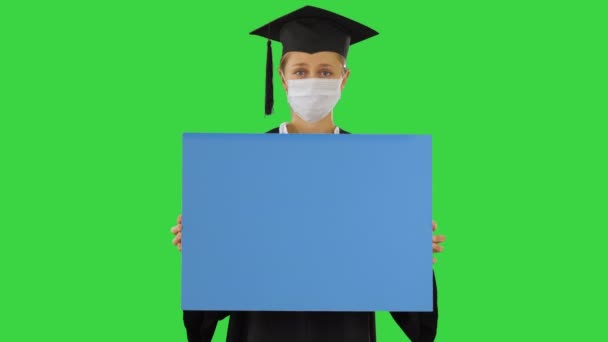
pixel 281 326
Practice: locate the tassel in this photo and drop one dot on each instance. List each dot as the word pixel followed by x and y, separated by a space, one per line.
pixel 269 101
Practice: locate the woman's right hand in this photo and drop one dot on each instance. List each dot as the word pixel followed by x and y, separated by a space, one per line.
pixel 177 231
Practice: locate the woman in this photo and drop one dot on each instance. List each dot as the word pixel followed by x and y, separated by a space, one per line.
pixel 313 73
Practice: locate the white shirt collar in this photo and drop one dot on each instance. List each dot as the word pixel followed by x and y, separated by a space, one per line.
pixel 283 129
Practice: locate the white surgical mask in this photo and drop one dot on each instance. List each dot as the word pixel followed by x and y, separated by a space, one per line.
pixel 313 98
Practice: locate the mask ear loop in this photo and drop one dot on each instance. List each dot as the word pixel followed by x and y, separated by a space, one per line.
pixel 286 85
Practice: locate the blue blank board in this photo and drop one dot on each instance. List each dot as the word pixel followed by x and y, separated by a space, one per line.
pixel 306 222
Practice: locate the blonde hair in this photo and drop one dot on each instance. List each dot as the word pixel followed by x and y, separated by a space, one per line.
pixel 340 57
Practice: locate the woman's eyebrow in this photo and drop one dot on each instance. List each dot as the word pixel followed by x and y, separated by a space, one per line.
pixel 306 64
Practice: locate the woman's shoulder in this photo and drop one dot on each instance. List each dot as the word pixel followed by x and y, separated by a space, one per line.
pixel 274 130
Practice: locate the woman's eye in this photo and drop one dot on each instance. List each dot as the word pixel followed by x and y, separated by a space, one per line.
pixel 300 72
pixel 326 73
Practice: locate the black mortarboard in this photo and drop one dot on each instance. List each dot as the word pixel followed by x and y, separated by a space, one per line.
pixel 310 29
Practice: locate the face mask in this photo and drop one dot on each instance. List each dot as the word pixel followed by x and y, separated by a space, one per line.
pixel 313 98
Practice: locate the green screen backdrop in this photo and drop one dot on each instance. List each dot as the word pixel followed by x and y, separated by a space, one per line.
pixel 94 97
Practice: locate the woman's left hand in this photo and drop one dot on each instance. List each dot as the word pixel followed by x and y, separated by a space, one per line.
pixel 437 239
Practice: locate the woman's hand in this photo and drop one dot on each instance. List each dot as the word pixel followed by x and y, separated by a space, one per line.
pixel 177 240
pixel 437 239
pixel 177 231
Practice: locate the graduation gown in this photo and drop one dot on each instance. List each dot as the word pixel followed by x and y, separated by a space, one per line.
pixel 307 326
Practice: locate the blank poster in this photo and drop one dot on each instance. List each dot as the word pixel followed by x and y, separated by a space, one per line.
pixel 307 222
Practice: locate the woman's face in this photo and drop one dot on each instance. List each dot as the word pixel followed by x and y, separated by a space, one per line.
pixel 325 64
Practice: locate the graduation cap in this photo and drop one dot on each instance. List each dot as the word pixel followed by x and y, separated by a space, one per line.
pixel 309 29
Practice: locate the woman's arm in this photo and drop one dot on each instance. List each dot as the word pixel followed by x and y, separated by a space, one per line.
pixel 420 326
pixel 200 325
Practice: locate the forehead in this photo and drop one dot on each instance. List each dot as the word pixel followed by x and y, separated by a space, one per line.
pixel 312 59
